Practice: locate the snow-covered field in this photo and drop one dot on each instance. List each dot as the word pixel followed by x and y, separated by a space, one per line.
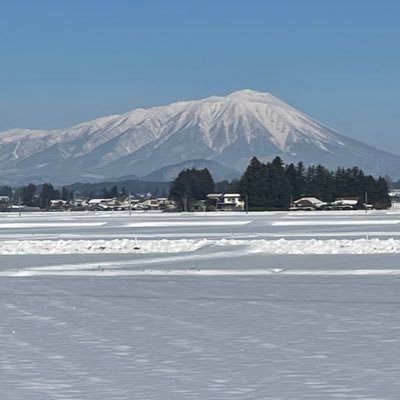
pixel 200 306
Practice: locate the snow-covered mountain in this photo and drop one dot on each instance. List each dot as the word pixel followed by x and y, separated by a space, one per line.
pixel 226 130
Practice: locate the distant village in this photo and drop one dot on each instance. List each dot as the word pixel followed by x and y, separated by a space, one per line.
pixel 213 202
pixel 142 202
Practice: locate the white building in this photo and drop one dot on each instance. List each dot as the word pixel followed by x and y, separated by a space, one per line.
pixel 227 201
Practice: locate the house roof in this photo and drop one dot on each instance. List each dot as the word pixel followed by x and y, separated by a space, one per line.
pixel 312 200
pixel 98 201
pixel 346 202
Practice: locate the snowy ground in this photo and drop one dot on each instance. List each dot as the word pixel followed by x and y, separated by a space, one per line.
pixel 195 306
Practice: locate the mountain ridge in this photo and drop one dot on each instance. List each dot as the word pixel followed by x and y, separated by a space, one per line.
pixel 170 172
pixel 228 130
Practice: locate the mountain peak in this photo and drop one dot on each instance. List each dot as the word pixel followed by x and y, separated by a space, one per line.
pixel 255 96
pixel 247 92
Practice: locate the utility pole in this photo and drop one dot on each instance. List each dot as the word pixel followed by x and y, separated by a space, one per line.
pixel 19 205
pixel 247 203
pixel 366 201
pixel 130 204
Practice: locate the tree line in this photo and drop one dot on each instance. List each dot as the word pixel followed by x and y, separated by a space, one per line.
pixel 275 185
pixel 39 196
pixel 266 186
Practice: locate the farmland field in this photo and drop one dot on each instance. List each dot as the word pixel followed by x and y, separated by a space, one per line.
pixel 200 306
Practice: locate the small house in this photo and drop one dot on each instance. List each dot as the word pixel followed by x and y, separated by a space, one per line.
pixel 226 201
pixel 58 204
pixel 345 203
pixel 5 203
pixel 307 204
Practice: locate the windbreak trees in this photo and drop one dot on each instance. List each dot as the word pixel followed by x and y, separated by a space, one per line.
pixel 271 186
pixel 265 185
pixel 191 185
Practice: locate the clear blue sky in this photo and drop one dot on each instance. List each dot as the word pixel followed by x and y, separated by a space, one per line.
pixel 64 62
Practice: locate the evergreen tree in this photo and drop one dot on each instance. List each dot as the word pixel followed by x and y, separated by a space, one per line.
pixel 28 195
pixel 295 186
pixel 265 185
pixel 309 181
pixel 323 184
pixel 66 194
pixel 383 199
pixel 340 181
pixel 204 183
pixel 278 185
pixel 6 191
pixel 356 181
pixel 46 194
pixel 105 194
pixel 253 184
pixel 114 193
pixel 191 185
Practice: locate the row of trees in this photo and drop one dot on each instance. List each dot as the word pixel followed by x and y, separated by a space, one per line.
pixel 32 196
pixel 274 185
pixel 271 185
